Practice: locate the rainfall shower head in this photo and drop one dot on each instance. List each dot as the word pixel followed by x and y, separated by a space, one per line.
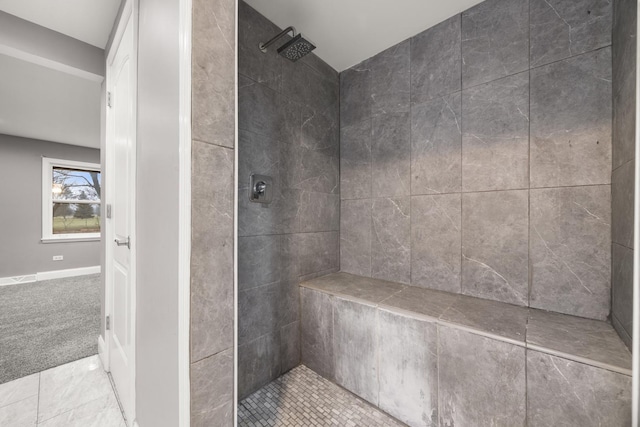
pixel 294 49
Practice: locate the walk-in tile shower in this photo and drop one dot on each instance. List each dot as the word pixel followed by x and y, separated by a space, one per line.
pixel 443 232
pixel 288 130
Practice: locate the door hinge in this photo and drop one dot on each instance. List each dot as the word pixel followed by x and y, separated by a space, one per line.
pixel 108 323
pixel 109 210
pixel 109 99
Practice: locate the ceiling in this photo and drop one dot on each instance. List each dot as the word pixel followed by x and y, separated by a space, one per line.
pixel 348 32
pixel 41 103
pixel 85 20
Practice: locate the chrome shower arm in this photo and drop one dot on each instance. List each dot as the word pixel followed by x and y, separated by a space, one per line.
pixel 264 46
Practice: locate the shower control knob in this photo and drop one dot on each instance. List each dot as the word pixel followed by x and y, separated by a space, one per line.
pixel 260 188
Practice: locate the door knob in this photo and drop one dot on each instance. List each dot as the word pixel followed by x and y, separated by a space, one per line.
pixel 124 242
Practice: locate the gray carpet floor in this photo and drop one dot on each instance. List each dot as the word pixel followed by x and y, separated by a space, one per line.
pixel 47 324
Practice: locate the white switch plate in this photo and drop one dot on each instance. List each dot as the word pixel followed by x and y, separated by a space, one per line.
pixel 58 257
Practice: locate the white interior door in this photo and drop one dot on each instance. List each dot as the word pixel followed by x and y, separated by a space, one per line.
pixel 120 146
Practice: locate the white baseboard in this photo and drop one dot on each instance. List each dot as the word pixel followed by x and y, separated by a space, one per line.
pixel 4 281
pixel 48 275
pixel 71 272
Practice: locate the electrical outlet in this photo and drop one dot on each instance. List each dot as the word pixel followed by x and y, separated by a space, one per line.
pixel 58 257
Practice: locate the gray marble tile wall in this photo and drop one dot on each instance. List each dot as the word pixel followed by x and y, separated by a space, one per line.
pixel 288 129
pixel 622 179
pixel 212 248
pixel 475 157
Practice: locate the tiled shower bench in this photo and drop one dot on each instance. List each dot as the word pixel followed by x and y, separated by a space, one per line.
pixel 432 358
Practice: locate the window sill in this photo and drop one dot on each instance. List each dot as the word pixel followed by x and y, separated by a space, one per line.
pixel 69 239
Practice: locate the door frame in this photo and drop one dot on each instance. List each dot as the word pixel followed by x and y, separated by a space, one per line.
pixel 184 215
pixel 129 12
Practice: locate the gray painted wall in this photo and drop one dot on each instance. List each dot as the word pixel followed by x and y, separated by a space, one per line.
pixel 476 157
pixel 288 129
pixel 622 191
pixel 22 251
pixel 212 217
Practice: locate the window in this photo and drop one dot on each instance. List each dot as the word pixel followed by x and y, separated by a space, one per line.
pixel 70 200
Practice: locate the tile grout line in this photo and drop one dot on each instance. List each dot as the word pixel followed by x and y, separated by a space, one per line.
pixel 620 166
pixel 535 67
pixel 20 400
pixel 377 338
pixel 529 262
pixel 529 272
pixel 613 169
pixel 411 213
pixel 293 233
pixel 614 318
pixel 199 360
pixel 370 118
pixel 332 304
pixel 114 392
pixel 438 368
pixel 621 245
pixel 339 181
pixel 461 165
pixel 490 191
pixel 391 296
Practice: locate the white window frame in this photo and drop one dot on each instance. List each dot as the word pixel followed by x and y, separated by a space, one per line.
pixel 47 199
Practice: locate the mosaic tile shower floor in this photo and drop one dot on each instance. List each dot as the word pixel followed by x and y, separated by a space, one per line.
pixel 302 398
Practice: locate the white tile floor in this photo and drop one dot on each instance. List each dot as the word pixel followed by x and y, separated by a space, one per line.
pixel 78 394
